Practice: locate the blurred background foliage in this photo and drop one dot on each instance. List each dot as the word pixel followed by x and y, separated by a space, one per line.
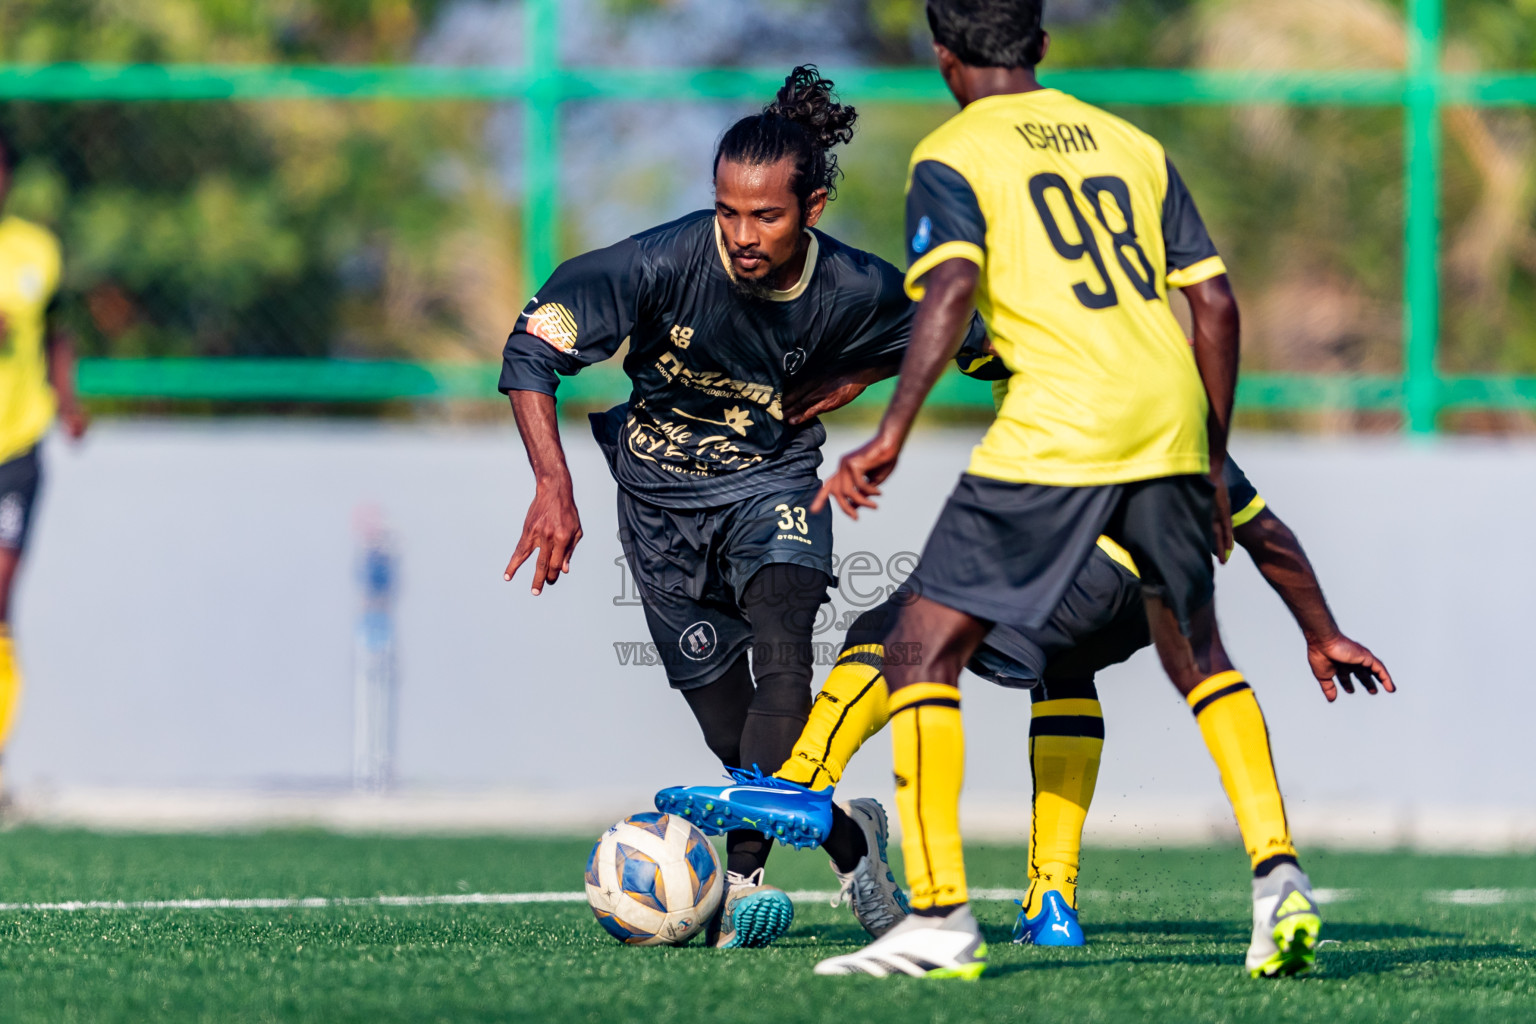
pixel 389 229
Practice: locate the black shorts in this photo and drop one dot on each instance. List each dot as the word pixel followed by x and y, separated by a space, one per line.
pixel 1100 622
pixel 691 568
pixel 19 479
pixel 1007 553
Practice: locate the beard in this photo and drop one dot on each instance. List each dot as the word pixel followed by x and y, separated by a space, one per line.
pixel 757 289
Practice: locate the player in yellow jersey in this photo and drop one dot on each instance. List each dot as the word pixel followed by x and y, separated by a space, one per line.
pixel 37 374
pixel 1066 227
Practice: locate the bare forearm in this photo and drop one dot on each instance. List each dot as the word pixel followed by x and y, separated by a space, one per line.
pixel 540 430
pixel 1284 565
pixel 62 366
pixel 937 331
pixel 1217 348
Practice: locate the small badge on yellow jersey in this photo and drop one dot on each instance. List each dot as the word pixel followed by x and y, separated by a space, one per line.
pixel 923 237
pixel 30 282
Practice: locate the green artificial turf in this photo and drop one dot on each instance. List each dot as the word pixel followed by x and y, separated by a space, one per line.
pixel 1167 930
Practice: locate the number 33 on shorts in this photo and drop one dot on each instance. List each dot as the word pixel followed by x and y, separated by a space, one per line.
pixel 792 518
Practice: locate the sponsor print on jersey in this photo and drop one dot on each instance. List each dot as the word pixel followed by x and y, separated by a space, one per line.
pixel 677 448
pixel 554 324
pixel 718 385
pixel 698 641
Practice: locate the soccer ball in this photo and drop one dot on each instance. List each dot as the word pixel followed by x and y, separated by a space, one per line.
pixel 654 880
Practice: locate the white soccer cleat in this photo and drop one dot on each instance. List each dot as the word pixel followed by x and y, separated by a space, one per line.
pixel 920 947
pixel 751 914
pixel 1286 924
pixel 870 888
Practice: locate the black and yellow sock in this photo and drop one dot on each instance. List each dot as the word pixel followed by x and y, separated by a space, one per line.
pixel 1066 744
pixel 10 685
pixel 929 747
pixel 850 708
pixel 1238 739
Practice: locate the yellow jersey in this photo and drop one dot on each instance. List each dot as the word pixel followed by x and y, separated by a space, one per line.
pixel 30 264
pixel 1079 224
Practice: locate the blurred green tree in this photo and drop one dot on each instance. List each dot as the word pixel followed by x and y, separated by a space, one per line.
pixel 283 228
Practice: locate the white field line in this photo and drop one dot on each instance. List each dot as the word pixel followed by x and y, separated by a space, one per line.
pixel 307 903
pixel 1481 897
pixel 1466 897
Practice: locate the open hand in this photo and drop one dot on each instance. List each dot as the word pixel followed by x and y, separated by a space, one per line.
pixel 553 528
pixel 859 475
pixel 1342 659
pixel 74 419
pixel 1222 521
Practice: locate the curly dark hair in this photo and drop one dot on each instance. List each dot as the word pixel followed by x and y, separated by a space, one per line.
pixel 990 33
pixel 803 122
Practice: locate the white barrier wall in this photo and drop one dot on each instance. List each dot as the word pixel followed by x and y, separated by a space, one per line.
pixel 186 622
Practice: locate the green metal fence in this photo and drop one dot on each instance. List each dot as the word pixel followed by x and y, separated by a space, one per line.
pixel 1420 392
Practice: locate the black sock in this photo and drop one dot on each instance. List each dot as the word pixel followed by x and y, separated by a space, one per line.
pixel 845 844
pixel 938 911
pixel 746 851
pixel 1265 867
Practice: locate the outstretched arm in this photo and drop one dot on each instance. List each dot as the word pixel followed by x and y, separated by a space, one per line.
pixel 823 395
pixel 552 526
pixel 1214 310
pixel 940 325
pixel 1283 563
pixel 61 376
pixel 581 316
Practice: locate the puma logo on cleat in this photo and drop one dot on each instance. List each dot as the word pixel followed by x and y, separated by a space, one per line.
pixel 1295 903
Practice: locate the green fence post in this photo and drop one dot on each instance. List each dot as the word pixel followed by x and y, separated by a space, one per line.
pixel 541 143
pixel 1422 393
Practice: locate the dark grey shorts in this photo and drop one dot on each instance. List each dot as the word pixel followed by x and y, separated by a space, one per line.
pixel 1101 621
pixel 1008 553
pixel 691 567
pixel 19 480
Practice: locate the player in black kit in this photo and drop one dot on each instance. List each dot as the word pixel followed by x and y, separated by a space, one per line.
pixel 726 313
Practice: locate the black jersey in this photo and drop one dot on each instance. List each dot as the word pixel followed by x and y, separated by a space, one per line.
pixel 704 424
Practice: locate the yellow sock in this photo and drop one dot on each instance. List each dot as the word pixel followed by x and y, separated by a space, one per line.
pixel 10 685
pixel 1066 743
pixel 929 743
pixel 1235 733
pixel 850 708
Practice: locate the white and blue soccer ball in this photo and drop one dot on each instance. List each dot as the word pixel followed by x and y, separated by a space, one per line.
pixel 654 880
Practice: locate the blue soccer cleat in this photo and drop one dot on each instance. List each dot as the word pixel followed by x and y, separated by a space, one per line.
pixel 783 811
pixel 1055 925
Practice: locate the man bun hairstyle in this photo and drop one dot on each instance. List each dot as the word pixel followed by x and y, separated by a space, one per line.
pixel 804 122
pixel 990 33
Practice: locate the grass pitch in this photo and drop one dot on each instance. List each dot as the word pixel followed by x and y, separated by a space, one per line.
pixel 1166 930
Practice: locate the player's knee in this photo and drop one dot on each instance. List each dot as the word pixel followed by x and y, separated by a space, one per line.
pixel 870 627
pixel 782 697
pixel 783 672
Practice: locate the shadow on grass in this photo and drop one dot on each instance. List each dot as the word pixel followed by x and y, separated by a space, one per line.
pixel 1353 963
pixel 1235 929
pixel 1336 963
pixel 1196 929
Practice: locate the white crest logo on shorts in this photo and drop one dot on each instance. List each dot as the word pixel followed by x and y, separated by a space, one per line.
pixel 698 641
pixel 11 520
